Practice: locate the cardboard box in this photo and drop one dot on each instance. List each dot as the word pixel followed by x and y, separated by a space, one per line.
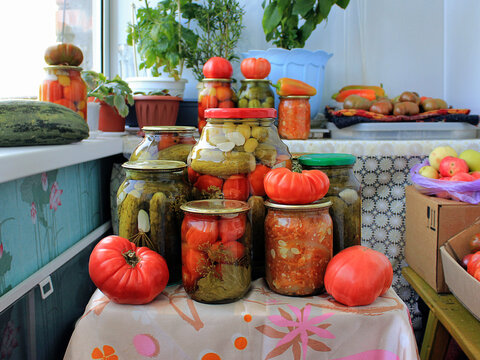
pixel 464 286
pixel 430 222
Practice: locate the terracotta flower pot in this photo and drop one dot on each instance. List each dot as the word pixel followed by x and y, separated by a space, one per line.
pixel 109 120
pixel 156 110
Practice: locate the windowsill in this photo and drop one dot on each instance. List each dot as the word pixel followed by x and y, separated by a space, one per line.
pixel 18 162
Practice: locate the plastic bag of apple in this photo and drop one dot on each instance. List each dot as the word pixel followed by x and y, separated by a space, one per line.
pixel 449 175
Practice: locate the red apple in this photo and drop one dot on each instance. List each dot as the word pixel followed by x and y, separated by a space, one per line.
pixel 475 174
pixel 445 178
pixel 462 177
pixel 450 166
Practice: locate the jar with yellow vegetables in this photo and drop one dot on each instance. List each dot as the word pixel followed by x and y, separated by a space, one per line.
pixel 256 93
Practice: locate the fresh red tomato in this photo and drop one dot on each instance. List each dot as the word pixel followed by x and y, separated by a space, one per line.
pixel 217 68
pixel 209 183
pixel 236 188
pixel 125 273
pixel 253 68
pixel 286 187
pixel 476 274
pixel 51 91
pixel 231 229
pixel 474 263
pixel 63 54
pixel 227 253
pixel 357 275
pixel 466 259
pixel 475 243
pixel 202 233
pixel 255 179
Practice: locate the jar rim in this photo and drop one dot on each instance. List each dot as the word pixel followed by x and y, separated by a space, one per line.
pixel 217 80
pixel 255 80
pixel 155 165
pixel 295 97
pixel 240 113
pixel 169 128
pixel 63 67
pixel 311 206
pixel 215 207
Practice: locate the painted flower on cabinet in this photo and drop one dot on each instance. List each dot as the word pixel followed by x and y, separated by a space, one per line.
pixel 33 213
pixel 55 193
pixel 44 181
pixel 5 261
pixel 9 340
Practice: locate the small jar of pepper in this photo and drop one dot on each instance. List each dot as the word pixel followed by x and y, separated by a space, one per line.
pixel 294 117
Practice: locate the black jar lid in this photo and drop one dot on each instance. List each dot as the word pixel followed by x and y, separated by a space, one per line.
pixel 327 159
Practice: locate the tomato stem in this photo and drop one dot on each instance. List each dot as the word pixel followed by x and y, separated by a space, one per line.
pixel 131 258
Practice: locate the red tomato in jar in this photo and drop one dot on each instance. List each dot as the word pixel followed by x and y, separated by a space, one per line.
pixel 227 253
pixel 196 263
pixel 224 93
pixel 65 102
pixel 253 68
pixel 231 229
pixel 217 68
pixel 125 273
pixel 236 188
pixel 226 104
pixel 357 275
pixel 209 101
pixel 255 179
pixel 209 183
pixel 51 91
pixel 167 140
pixel 201 233
pixel 192 175
pixel 76 91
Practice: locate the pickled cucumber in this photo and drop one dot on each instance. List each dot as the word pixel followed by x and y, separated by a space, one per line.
pixel 267 154
pixel 234 163
pixel 128 216
pixel 176 152
pixel 157 207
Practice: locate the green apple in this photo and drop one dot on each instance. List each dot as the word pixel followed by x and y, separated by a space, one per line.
pixel 429 172
pixel 439 153
pixel 472 158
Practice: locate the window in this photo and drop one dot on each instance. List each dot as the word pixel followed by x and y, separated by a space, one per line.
pixel 28 27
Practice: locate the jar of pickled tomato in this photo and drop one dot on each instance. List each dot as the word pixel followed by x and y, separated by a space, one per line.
pixel 294 117
pixel 236 149
pixel 63 85
pixel 214 93
pixel 298 247
pixel 344 193
pixel 165 143
pixel 216 250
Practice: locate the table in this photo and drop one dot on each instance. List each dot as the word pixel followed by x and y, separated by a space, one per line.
pixel 447 318
pixel 262 325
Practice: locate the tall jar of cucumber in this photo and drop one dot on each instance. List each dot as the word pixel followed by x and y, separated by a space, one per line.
pixel 236 149
pixel 256 93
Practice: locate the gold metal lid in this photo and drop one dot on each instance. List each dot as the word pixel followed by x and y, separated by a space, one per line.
pixel 169 128
pixel 215 79
pixel 63 67
pixel 295 97
pixel 155 165
pixel 215 207
pixel 312 206
pixel 257 80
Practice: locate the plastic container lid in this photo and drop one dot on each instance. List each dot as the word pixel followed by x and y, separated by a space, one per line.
pixel 240 113
pixel 328 159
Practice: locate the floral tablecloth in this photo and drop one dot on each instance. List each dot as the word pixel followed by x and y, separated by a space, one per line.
pixel 263 325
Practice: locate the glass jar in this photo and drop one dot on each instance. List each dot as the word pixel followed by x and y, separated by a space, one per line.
pixel 149 213
pixel 216 250
pixel 165 143
pixel 63 85
pixel 294 117
pixel 298 247
pixel 344 193
pixel 256 93
pixel 214 93
pixel 235 151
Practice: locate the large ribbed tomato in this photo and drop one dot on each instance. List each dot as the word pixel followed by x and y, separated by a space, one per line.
pixel 217 68
pixel 286 187
pixel 253 68
pixel 357 275
pixel 63 54
pixel 125 273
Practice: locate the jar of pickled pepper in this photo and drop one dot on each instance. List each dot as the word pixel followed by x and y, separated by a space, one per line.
pixel 256 93
pixel 63 85
pixel 236 149
pixel 344 193
pixel 149 213
pixel 294 117
pixel 216 250
pixel 214 93
pixel 165 143
pixel 298 247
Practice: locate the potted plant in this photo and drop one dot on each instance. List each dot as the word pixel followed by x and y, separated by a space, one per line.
pixel 289 24
pixel 113 96
pixel 156 108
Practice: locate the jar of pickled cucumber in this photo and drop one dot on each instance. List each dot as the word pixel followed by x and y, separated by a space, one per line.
pixel 149 213
pixel 344 193
pixel 63 85
pixel 214 93
pixel 256 93
pixel 294 117
pixel 165 143
pixel 298 247
pixel 216 250
pixel 237 148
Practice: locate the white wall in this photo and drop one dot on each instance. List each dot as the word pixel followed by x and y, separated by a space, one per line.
pixel 428 46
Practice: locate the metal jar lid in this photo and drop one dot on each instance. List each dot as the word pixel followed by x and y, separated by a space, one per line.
pixel 312 206
pixel 169 129
pixel 63 67
pixel 217 80
pixel 215 207
pixel 155 165
pixel 295 97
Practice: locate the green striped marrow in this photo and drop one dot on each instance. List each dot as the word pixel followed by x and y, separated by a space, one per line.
pixel 30 122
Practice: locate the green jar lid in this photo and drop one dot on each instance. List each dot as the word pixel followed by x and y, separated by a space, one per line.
pixel 331 159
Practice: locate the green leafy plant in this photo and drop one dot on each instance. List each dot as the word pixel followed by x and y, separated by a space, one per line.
pixel 289 24
pixel 161 39
pixel 115 92
pixel 180 34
